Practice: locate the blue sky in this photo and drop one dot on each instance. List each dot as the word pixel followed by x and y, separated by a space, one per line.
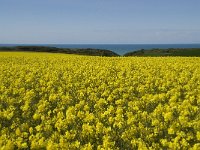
pixel 99 21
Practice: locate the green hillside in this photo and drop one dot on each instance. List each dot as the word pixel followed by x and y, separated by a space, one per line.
pixel 82 51
pixel 166 52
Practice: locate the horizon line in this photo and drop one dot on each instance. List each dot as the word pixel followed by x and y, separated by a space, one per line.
pixel 94 43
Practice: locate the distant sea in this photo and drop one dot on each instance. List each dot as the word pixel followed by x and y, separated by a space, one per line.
pixel 117 48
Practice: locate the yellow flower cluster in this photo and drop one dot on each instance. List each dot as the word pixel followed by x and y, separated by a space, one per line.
pixel 57 101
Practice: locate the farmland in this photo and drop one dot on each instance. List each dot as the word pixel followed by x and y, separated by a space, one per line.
pixel 60 101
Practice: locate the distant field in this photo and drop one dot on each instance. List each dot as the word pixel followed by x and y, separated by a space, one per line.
pixel 60 101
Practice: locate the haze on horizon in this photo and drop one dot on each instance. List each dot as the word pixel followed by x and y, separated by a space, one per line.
pixel 99 21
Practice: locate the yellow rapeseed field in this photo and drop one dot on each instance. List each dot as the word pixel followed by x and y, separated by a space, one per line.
pixel 58 101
